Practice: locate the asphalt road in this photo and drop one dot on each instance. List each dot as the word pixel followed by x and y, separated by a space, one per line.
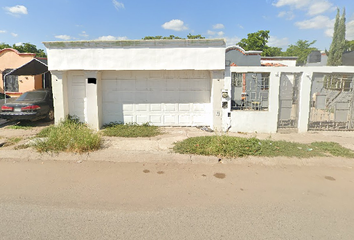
pixel 104 200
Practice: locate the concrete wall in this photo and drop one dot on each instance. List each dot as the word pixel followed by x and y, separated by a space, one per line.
pixel 202 54
pixel 266 121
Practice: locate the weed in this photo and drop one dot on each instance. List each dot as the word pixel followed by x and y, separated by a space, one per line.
pixel 133 130
pixel 69 136
pixel 232 147
pixel 12 141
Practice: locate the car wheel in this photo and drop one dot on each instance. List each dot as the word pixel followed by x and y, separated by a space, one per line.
pixel 50 115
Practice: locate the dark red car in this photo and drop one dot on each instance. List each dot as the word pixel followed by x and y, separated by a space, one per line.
pixel 32 105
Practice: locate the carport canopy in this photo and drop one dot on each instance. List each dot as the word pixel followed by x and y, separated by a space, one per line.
pixel 33 67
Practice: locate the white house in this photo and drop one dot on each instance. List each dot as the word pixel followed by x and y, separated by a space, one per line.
pixel 166 83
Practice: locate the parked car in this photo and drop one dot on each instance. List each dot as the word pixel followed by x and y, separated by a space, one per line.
pixel 32 105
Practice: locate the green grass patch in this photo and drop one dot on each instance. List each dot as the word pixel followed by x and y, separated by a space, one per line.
pixel 130 130
pixel 233 147
pixel 22 125
pixel 68 136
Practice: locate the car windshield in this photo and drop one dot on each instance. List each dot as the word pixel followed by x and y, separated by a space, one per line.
pixel 32 96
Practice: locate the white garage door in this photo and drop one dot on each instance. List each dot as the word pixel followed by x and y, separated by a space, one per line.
pixel 77 95
pixel 162 98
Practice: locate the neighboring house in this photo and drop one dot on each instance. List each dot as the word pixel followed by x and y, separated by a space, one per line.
pixel 11 59
pixel 348 58
pixel 317 58
pixel 164 82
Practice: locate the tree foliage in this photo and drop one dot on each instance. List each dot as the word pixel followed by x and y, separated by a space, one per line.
pixel 338 42
pixel 349 45
pixel 301 49
pixel 25 48
pixel 257 41
pixel 189 36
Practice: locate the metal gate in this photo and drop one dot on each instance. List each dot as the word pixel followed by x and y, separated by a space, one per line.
pixel 289 100
pixel 332 102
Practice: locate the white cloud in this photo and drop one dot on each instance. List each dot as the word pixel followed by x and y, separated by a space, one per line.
pixel 240 26
pixel 218 26
pixel 63 37
pixel 2 31
pixel 111 38
pixel 289 15
pixel 83 34
pixel 231 41
pixel 312 7
pixel 293 3
pixel 220 34
pixel 175 24
pixel 211 32
pixel 350 30
pixel 14 34
pixel 16 10
pixel 318 22
pixel 319 7
pixel 18 44
pixel 273 41
pixel 118 5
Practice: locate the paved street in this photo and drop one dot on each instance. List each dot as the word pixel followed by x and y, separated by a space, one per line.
pixel 105 200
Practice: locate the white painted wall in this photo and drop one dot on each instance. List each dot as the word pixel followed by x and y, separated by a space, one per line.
pixel 204 54
pixel 266 121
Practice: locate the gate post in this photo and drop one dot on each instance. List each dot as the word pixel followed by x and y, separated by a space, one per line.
pixel 304 101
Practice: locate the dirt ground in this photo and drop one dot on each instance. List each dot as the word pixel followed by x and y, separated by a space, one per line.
pixel 158 149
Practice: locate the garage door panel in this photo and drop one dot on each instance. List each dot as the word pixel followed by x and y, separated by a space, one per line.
pixel 128 119
pixel 170 107
pixel 171 119
pixel 159 97
pixel 156 119
pixel 128 107
pixel 184 107
pixel 142 107
pixel 141 119
pixel 157 107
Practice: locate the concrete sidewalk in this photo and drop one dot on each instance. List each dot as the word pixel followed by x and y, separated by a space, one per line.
pixel 159 149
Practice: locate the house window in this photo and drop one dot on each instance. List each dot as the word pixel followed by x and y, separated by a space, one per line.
pixel 249 91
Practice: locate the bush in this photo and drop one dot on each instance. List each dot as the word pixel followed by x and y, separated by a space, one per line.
pixel 69 136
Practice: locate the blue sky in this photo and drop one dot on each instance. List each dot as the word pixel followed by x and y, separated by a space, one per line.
pixel 36 21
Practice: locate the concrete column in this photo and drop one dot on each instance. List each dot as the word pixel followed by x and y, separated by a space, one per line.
pixel 217 78
pixel 60 95
pixel 91 104
pixel 304 101
pixel 273 97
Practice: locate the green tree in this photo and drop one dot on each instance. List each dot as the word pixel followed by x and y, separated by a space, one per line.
pixel 338 41
pixel 25 48
pixel 301 49
pixel 4 45
pixel 29 48
pixel 349 45
pixel 257 41
pixel 190 36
